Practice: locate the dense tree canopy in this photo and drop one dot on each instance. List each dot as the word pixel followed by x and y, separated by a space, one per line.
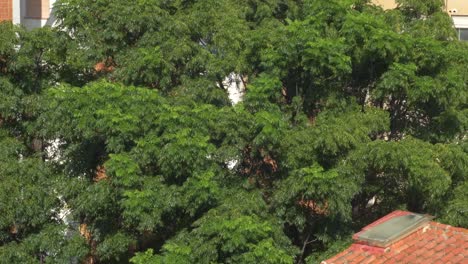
pixel 119 143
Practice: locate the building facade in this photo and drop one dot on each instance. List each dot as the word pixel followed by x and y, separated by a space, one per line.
pixel 457 9
pixel 38 13
pixel 30 13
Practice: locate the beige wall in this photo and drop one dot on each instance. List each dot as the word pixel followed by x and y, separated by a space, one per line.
pixel 386 4
pixel 461 6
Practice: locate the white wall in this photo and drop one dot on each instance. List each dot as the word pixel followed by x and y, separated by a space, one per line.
pixel 17 11
pixel 235 87
pixel 460 21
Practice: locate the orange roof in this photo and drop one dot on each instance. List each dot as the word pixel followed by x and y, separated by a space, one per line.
pixel 432 243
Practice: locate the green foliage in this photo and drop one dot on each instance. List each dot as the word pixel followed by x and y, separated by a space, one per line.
pixel 335 135
pixel 409 173
pixel 30 225
pixel 231 233
pixel 456 213
pixel 11 106
pixel 144 209
pixel 27 198
pixel 264 93
pixel 312 197
pixel 114 247
pixel 418 8
pixel 119 142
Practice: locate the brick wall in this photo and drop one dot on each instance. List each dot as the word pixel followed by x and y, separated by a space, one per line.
pixel 6 10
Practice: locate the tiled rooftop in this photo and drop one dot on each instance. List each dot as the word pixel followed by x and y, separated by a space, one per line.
pixel 431 243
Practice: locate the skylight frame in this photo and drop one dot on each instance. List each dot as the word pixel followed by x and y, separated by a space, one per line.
pixel 392 230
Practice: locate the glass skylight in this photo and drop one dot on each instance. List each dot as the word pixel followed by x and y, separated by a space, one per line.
pixel 394 229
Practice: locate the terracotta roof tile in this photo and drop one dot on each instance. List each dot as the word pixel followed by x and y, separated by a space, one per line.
pixel 432 243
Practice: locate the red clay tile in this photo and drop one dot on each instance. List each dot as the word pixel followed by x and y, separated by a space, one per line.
pixel 440 247
pixel 451 240
pixel 430 245
pixel 379 260
pixel 400 257
pixel 458 251
pixel 447 258
pixel 358 258
pixel 459 259
pixel 436 256
pixel 420 252
pixel 412 249
pixel 366 248
pixel 433 243
pixel 368 260
pixel 402 248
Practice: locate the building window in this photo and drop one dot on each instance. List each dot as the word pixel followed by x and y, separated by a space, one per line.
pixel 38 9
pixel 463 34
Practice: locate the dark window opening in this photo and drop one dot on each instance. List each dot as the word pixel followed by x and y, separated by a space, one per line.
pixel 463 34
pixel 38 9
